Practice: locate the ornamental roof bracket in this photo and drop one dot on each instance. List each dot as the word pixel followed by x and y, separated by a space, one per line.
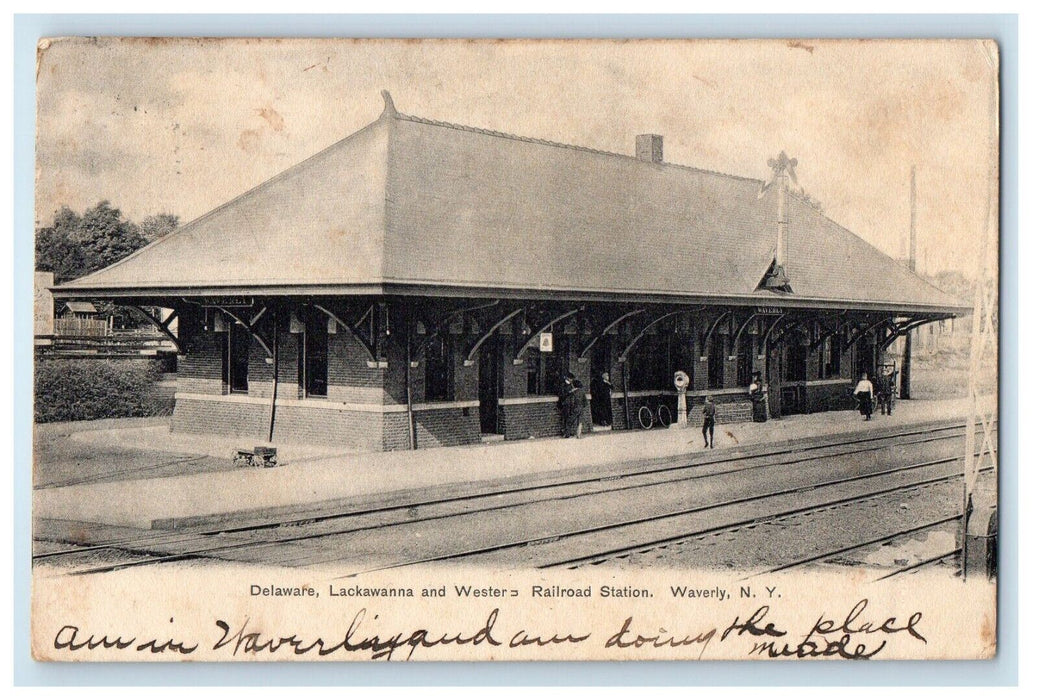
pixel 163 326
pixel 739 333
pixel 469 361
pixel 623 357
pixel 859 334
pixel 371 360
pixel 583 356
pixel 252 330
pixel 443 323
pixel 906 327
pixel 518 357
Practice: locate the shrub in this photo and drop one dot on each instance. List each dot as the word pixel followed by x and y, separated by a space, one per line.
pixel 74 389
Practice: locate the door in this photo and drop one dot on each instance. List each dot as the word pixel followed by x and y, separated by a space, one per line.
pixel 795 372
pixel 313 356
pixel 490 369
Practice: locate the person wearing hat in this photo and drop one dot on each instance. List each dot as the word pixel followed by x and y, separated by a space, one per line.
pixel 569 405
pixel 758 398
pixel 602 400
pixel 709 412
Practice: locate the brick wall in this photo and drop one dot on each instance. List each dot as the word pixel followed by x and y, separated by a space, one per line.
pixel 288 365
pixel 200 369
pixel 442 427
pixel 738 410
pixel 823 397
pixel 236 418
pixel 261 374
pixel 732 408
pixel 360 430
pixel 538 420
pixel 350 379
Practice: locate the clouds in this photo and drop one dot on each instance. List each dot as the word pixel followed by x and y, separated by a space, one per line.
pixel 183 125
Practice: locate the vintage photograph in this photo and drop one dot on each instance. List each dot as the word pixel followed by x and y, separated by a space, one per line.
pixel 513 350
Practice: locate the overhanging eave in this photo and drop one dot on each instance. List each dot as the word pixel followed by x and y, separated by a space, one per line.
pixel 144 292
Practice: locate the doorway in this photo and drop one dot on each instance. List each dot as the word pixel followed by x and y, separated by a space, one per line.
pixel 490 380
pixel 313 356
pixel 795 372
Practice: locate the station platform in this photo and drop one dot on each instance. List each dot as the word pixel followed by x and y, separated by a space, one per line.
pixel 309 479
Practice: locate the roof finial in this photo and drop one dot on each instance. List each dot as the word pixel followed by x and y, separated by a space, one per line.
pixel 388 108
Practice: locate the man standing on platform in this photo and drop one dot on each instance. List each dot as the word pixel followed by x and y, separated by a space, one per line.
pixel 885 391
pixel 602 400
pixel 709 412
pixel 568 405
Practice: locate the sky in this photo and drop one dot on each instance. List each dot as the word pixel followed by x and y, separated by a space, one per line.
pixel 181 126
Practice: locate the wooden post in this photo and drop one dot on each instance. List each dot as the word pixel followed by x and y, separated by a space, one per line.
pixel 624 382
pixel 274 374
pixel 413 441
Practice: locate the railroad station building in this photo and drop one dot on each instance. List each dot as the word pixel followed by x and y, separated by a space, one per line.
pixel 421 283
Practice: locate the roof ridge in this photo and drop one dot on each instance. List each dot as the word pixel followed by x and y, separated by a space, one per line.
pixel 558 144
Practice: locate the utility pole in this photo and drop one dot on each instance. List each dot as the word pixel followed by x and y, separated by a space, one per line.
pixel 905 382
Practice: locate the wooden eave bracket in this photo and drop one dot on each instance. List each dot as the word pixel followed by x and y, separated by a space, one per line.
pixel 739 333
pixel 469 361
pixel 420 351
pixel 163 326
pixel 371 361
pixel 623 357
pixel 517 359
pixel 264 343
pixel 583 356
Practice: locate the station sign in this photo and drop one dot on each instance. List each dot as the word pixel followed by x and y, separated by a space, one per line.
pixel 768 310
pixel 546 342
pixel 232 300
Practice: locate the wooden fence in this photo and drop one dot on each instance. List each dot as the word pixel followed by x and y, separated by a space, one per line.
pixel 80 327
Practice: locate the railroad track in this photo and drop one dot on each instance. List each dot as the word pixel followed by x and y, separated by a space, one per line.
pixel 643 547
pixel 619 482
pixel 212 543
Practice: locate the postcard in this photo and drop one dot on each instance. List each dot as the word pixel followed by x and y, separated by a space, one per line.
pixel 425 350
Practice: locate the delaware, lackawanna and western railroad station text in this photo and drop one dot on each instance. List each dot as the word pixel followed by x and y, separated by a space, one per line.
pixel 542 591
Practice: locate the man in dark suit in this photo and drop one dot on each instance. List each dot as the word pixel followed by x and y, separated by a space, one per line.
pixel 602 401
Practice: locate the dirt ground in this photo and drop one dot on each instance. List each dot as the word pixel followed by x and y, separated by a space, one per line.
pixel 59 459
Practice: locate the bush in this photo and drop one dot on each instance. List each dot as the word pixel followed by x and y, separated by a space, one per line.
pixel 70 390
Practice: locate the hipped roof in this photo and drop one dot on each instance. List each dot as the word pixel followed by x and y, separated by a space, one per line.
pixel 412 205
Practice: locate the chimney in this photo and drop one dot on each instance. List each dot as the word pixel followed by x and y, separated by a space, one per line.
pixel 650 148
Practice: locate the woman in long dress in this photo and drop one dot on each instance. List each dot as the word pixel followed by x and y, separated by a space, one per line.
pixel 864 395
pixel 757 398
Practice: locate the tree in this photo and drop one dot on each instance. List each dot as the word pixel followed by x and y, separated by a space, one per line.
pixel 158 225
pixel 77 245
pixel 106 237
pixel 57 253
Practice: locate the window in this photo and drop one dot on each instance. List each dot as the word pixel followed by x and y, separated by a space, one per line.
pixel 545 370
pixel 440 370
pixel 236 359
pixel 313 354
pixel 830 358
pixel 795 369
pixel 654 360
pixel 745 361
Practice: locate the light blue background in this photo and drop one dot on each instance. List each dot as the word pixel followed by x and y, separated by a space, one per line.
pixel 1001 671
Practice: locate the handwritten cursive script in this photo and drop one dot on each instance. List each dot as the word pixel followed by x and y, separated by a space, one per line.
pixel 380 646
pixel 856 635
pixel 818 643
